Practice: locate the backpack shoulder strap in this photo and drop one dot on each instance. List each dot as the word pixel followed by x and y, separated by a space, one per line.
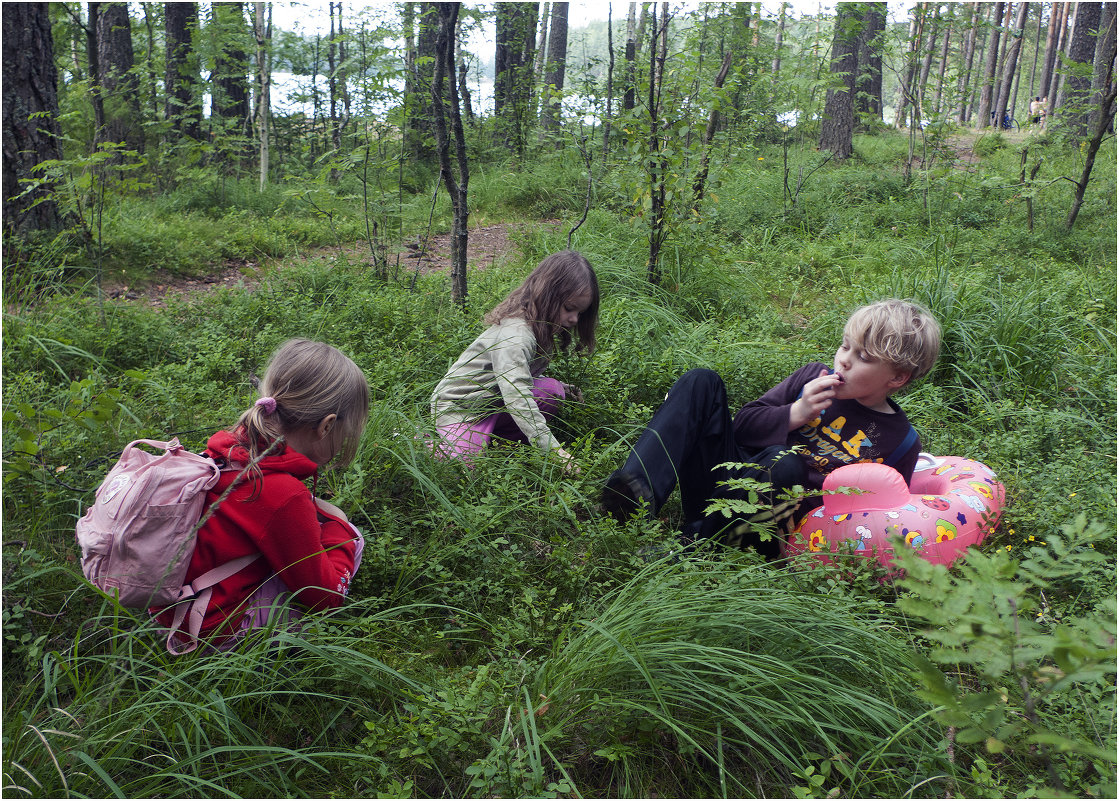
pixel 904 448
pixel 193 600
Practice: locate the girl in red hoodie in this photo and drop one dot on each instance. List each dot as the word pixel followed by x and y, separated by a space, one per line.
pixel 313 407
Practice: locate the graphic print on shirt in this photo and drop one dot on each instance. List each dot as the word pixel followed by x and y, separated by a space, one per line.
pixel 833 443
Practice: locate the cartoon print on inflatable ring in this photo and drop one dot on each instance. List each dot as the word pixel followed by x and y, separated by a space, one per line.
pixel 952 504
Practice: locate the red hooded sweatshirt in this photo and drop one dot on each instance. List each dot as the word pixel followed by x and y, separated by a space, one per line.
pixel 310 550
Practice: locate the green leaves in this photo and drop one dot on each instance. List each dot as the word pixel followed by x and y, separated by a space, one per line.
pixel 984 623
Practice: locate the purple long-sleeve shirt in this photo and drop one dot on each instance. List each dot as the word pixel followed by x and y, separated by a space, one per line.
pixel 846 432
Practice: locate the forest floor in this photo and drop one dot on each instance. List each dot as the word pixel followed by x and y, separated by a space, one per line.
pixel 485 245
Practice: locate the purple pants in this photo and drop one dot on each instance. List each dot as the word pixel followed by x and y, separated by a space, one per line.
pixel 466 439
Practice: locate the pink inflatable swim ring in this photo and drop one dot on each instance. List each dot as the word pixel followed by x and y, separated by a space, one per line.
pixel 951 504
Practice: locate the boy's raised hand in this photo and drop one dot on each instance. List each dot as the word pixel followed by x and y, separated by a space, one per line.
pixel 816 396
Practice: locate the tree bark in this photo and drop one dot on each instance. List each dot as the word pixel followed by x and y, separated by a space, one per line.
pixel 120 88
pixel 541 45
pixel 1082 50
pixel 1104 64
pixel 230 100
pixel 700 182
pixel 905 87
pixel 942 65
pixel 1106 111
pixel 838 125
pixel 926 62
pixel 629 99
pixel 868 85
pixel 262 30
pixel 1051 39
pixel 606 122
pixel 463 72
pixel 555 68
pixel 1060 46
pixel 446 16
pixel 968 56
pixel 1010 64
pixel 183 100
pixel 986 94
pixel 513 72
pixel 31 133
pixel 420 128
pixel 778 39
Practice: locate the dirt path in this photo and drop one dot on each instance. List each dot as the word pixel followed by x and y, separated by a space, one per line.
pixel 485 246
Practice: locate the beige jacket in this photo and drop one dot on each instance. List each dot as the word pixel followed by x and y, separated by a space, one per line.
pixel 495 374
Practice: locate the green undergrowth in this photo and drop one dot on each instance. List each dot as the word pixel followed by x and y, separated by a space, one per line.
pixel 504 637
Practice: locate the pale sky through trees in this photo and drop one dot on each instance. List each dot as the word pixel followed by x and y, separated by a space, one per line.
pixel 314 16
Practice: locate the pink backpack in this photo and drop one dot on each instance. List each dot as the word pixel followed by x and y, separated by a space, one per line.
pixel 138 536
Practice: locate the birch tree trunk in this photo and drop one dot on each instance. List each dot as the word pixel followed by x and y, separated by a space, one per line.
pixel 629 99
pixel 262 30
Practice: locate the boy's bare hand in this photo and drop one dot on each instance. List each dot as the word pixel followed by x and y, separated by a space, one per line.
pixel 817 396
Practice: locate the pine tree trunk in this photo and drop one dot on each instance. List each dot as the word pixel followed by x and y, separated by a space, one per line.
pixel 838 125
pixel 868 96
pixel 926 61
pixel 1010 64
pixel 1060 46
pixel 968 56
pixel 231 92
pixel 120 88
pixel 1082 50
pixel 941 69
pixel 1103 66
pixel 183 99
pixel 514 51
pixel 609 83
pixel 555 69
pixel 31 133
pixel 777 41
pixel 905 87
pixel 986 93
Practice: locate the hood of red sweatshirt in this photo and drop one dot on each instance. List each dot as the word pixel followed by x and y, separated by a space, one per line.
pixel 225 444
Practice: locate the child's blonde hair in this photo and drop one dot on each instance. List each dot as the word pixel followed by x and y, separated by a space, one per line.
pixel 539 301
pixel 901 333
pixel 308 381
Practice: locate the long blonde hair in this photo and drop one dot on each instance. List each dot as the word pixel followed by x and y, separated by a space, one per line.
pixel 540 297
pixel 307 381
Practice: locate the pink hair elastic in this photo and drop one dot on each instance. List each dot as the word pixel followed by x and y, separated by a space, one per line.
pixel 268 403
